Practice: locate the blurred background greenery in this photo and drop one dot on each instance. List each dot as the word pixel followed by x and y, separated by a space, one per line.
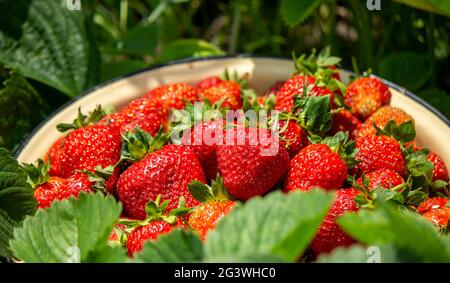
pixel 50 54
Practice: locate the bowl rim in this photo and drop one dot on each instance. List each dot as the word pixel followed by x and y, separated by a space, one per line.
pixel 400 89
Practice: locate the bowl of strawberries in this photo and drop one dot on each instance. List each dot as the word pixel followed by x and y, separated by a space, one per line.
pixel 183 144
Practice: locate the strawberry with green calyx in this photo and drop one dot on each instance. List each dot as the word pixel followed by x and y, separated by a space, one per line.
pixel 104 179
pixel 381 117
pixel 83 120
pixel 157 222
pixel 321 165
pixel 215 204
pixel 137 144
pixel 165 171
pixel 48 189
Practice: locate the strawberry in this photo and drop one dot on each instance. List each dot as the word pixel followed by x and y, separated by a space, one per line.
pixel 215 204
pixel 292 136
pixel 228 91
pixel 379 152
pixel 365 95
pixel 251 161
pixel 294 86
pixel 209 82
pixel 53 157
pixel 381 117
pixel 166 171
pixel 203 141
pixel 73 185
pixel 440 171
pixel 382 178
pixel 47 192
pixel 346 122
pixel 321 165
pixel 330 235
pixel 89 147
pixel 174 95
pixel 436 211
pixel 145 113
pixel 273 89
pixel 157 223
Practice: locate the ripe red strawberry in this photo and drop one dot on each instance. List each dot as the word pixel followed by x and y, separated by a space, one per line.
pixel 330 235
pixel 203 140
pixel 209 82
pixel 316 166
pixel 53 157
pixel 382 178
pixel 47 192
pixel 251 162
pixel 366 95
pixel 294 86
pixel 273 89
pixel 229 91
pixel 378 152
pixel 381 117
pixel 346 122
pixel 440 171
pixel 157 223
pixel 214 206
pixel 145 113
pixel 165 172
pixel 174 95
pixel 292 136
pixel 89 147
pixel 436 211
pixel 149 232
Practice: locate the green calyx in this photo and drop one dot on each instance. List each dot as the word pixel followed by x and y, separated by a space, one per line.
pixel 99 177
pixel 403 133
pixel 342 146
pixel 37 174
pixel 313 113
pixel 234 77
pixel 205 193
pixel 157 210
pixel 138 143
pixel 321 67
pixel 83 120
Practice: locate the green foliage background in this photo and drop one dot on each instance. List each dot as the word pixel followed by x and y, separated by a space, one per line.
pixel 49 54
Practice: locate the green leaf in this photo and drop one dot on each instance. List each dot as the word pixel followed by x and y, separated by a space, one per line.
pixel 21 109
pixel 7 225
pixel 108 254
pixel 179 246
pixel 16 194
pixel 360 254
pixel 70 230
pixel 295 12
pixel 417 163
pixel 434 6
pixel 277 226
pixel 52 45
pixel 315 112
pixel 408 69
pixel 438 98
pixel 141 40
pixel 184 48
pixel 414 238
pixel 115 69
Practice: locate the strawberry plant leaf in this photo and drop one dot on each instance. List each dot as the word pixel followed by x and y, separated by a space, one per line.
pixel 16 194
pixel 21 108
pixel 7 225
pixel 176 247
pixel 408 69
pixel 277 226
pixel 51 38
pixel 295 12
pixel 360 254
pixel 414 238
pixel 73 230
pixel 183 48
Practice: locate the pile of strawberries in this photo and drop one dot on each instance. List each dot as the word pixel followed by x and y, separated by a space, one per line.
pixel 335 137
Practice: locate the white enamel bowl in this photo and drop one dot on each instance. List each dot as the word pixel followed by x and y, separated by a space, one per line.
pixel 433 129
